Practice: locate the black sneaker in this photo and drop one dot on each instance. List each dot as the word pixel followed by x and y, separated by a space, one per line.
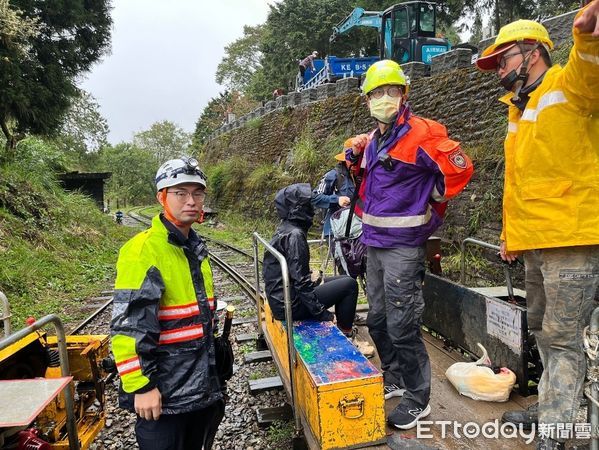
pixel 526 418
pixel 392 390
pixel 549 444
pixel 359 320
pixel 407 414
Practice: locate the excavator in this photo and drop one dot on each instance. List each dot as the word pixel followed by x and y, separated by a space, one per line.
pixel 407 32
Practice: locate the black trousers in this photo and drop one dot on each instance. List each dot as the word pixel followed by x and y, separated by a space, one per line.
pixel 188 431
pixel 341 291
pixel 396 305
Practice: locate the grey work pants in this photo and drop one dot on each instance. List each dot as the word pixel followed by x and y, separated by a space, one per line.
pixel 396 304
pixel 560 289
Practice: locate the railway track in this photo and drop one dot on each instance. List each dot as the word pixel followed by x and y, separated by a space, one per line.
pixel 233 268
pixel 234 278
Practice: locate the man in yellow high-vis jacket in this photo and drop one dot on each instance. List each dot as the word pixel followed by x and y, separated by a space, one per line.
pixel 551 202
pixel 162 324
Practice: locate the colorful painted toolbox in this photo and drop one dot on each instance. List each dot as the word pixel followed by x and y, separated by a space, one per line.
pixel 339 392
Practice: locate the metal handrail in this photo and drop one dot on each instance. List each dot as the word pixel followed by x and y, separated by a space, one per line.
pixel 5 314
pixel 64 367
pixel 288 319
pixel 257 296
pixel 463 254
pixel 316 80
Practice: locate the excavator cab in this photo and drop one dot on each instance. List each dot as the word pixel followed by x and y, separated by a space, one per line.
pixel 408 33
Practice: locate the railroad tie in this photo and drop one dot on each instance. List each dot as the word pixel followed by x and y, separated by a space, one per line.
pixel 256 357
pixel 265 384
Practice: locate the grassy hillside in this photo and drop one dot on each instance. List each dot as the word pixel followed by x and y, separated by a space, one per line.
pixel 56 248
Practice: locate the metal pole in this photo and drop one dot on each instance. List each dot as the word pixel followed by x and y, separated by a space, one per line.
pixel 508 281
pixel 289 325
pixel 64 367
pixel 5 314
pixel 594 409
pixel 258 297
pixel 463 255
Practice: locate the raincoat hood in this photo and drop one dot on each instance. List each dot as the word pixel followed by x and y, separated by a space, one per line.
pixel 294 204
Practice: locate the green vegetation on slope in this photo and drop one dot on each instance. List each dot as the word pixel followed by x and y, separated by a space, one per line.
pixel 56 248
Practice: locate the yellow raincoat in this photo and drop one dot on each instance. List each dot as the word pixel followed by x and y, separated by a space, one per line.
pixel 551 190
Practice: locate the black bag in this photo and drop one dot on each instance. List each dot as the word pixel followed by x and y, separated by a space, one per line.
pixel 224 358
pixel 353 259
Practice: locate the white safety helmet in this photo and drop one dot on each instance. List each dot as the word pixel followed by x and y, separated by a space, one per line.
pixel 179 171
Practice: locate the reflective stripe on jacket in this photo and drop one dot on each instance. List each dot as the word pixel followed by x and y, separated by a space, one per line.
pixel 551 190
pixel 162 319
pixel 401 205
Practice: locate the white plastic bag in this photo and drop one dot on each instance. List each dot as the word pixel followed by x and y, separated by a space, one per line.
pixel 479 382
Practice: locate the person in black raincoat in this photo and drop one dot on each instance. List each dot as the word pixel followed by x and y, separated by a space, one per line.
pixel 310 299
pixel 162 329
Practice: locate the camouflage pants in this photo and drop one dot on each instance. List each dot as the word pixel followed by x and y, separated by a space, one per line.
pixel 560 289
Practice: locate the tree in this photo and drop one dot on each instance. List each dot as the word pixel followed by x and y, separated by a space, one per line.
pixel 212 117
pixel 294 28
pixel 450 11
pixel 241 60
pixel 266 56
pixel 216 111
pixel 450 33
pixel 15 31
pixel 503 12
pixel 477 29
pixel 84 130
pixel 164 140
pixel 550 8
pixel 133 173
pixel 37 88
pixel 258 88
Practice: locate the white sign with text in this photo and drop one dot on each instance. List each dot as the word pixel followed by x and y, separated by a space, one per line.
pixel 505 323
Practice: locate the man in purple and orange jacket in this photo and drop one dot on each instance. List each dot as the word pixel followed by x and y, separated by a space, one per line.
pixel 410 169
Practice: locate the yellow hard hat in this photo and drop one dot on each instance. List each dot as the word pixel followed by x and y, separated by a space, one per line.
pixel 509 35
pixel 382 73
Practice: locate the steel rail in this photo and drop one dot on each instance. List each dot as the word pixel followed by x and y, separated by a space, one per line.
pixel 102 308
pixel 241 281
pixel 87 321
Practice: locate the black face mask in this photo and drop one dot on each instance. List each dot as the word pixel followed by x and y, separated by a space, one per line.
pixel 510 79
pixel 523 97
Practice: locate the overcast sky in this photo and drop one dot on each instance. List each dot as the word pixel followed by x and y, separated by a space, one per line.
pixel 163 60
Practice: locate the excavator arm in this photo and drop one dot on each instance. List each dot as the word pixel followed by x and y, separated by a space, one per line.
pixel 357 18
